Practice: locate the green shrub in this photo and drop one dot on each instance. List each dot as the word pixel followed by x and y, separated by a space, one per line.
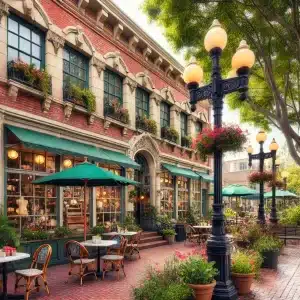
pixel 98 230
pixel 62 231
pixel 34 235
pixel 290 216
pixel 85 96
pixel 168 232
pixel 268 243
pixel 196 270
pixel 229 213
pixel 8 234
pixel 246 262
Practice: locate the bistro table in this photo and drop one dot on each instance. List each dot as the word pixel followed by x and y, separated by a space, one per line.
pixel 127 234
pixel 3 262
pixel 202 231
pixel 99 244
pixel 202 226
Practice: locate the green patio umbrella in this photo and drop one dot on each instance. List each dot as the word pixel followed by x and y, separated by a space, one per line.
pixel 87 175
pixel 280 194
pixel 236 190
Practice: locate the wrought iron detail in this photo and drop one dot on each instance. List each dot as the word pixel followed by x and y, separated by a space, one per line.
pixel 201 93
pixel 231 85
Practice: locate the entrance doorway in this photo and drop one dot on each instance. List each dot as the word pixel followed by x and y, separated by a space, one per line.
pixel 143 191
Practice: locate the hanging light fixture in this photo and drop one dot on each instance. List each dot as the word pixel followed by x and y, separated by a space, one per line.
pixel 12 154
pixel 67 163
pixel 39 159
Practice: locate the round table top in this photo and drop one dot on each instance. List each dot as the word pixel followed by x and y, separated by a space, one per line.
pixel 102 243
pixel 127 233
pixel 203 226
pixel 18 256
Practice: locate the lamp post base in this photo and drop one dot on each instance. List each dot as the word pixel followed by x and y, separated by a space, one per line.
pixel 218 250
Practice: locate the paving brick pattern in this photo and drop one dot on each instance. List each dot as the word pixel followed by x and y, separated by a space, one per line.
pixel 283 284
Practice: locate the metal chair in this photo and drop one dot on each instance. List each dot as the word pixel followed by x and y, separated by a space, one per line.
pixel 191 234
pixel 115 260
pixel 133 245
pixel 79 257
pixel 37 269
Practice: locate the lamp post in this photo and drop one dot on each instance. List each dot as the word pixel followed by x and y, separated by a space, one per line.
pixel 261 156
pixel 273 148
pixel 218 246
pixel 284 175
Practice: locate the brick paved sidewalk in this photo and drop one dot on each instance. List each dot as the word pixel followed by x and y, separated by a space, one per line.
pixel 281 285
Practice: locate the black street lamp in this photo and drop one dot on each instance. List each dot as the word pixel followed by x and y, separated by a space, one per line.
pixel 261 156
pixel 218 246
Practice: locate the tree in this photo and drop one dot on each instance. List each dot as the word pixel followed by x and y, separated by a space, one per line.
pixel 293 180
pixel 271 28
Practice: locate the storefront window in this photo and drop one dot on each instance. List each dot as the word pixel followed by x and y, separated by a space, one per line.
pixel 183 197
pixel 196 195
pixel 28 205
pixel 108 199
pixel 166 193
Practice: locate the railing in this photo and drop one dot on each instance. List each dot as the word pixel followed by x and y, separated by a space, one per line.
pixel 19 75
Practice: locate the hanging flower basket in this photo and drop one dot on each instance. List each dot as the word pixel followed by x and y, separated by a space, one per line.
pixel 226 139
pixel 257 177
pixel 277 183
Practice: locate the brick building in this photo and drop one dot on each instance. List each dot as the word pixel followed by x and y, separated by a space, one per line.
pixel 108 79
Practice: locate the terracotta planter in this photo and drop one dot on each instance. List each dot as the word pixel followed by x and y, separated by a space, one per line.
pixel 170 239
pixel 243 282
pixel 203 291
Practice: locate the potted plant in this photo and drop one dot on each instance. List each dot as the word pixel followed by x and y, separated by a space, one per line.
pixel 174 135
pixel 226 138
pixel 62 232
pixel 82 97
pixel 244 267
pixel 269 247
pixel 8 234
pixel 169 235
pixel 200 276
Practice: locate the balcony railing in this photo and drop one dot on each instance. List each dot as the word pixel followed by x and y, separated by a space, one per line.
pixel 16 71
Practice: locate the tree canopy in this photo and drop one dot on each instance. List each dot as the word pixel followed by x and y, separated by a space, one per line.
pixel 271 28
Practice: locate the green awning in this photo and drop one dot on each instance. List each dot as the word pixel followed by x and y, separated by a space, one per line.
pixel 36 140
pixel 176 171
pixel 205 177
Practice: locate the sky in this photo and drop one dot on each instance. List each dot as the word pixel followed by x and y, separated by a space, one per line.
pixel 132 9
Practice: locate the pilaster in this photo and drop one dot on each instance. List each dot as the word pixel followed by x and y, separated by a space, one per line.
pixel 3 38
pixel 175 118
pixel 129 88
pixel 154 107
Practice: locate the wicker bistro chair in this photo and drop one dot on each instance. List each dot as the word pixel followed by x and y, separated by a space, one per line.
pixel 79 257
pixel 115 261
pixel 191 234
pixel 133 245
pixel 38 269
pixel 116 249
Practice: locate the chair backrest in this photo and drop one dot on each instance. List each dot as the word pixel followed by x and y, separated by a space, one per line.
pixel 75 250
pixel 123 247
pixel 41 257
pixel 119 238
pixel 189 229
pixel 136 238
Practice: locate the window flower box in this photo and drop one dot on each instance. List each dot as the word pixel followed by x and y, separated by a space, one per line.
pixel 114 110
pixel 186 141
pixel 257 177
pixel 30 76
pixel 146 124
pixel 169 134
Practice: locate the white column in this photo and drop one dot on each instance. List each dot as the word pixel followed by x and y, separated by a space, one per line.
pixel 129 88
pixel 3 44
pixel 154 108
pixel 175 118
pixel 191 126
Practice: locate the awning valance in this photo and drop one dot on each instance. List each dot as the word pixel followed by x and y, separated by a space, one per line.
pixel 205 177
pixel 37 140
pixel 177 171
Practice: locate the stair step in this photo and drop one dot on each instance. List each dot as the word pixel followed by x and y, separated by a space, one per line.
pixel 149 233
pixel 153 244
pixel 151 239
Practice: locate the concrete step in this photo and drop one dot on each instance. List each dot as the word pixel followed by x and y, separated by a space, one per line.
pixel 149 233
pixel 153 244
pixel 145 240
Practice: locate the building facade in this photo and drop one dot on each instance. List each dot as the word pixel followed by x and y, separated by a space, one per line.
pixel 111 95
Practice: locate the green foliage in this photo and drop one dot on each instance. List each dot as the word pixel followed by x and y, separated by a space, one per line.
pixel 170 134
pixel 293 180
pixel 162 284
pixel 130 223
pixel 187 141
pixel 8 234
pixel 268 243
pixel 151 212
pixel 290 216
pixel 229 213
pixel 163 222
pixel 34 235
pixel 98 230
pixel 246 262
pixel 62 231
pixel 83 97
pixel 191 216
pixel 146 124
pixel 168 232
pixel 196 270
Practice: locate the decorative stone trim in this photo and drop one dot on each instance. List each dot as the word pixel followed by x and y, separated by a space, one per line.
pixel 168 95
pixel 147 51
pixel 102 15
pixel 4 9
pixel 28 8
pixel 117 61
pixel 156 98
pixel 131 83
pixel 158 61
pixel 56 40
pixel 106 124
pixel 13 92
pixel 118 29
pixel 133 41
pixel 91 119
pixel 83 3
pixel 46 104
pixel 99 65
pixel 124 131
pixel 68 107
pixel 169 70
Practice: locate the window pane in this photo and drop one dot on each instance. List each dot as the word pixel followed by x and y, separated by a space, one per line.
pixel 12 26
pixel 72 69
pixel 13 40
pixel 36 62
pixel 66 66
pixel 24 46
pixel 35 38
pixel 25 58
pixel 66 55
pixel 12 54
pixel 73 58
pixel 25 32
pixel 36 51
